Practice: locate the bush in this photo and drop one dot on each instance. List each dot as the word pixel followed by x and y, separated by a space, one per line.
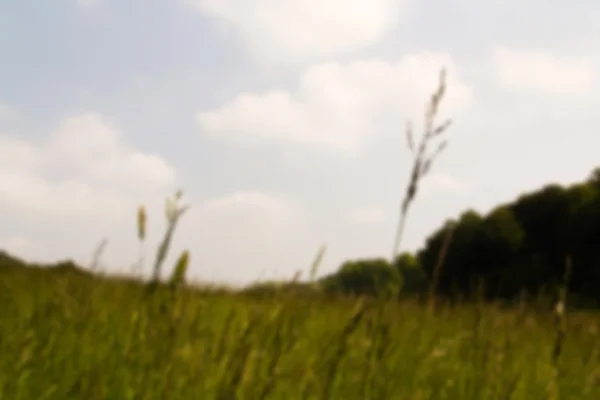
pixel 365 277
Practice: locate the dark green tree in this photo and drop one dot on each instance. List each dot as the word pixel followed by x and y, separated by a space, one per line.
pixel 365 277
pixel 415 280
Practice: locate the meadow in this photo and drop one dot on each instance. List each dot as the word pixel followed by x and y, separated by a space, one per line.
pixel 68 335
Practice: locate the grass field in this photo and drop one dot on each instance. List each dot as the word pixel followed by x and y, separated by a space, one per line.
pixel 69 336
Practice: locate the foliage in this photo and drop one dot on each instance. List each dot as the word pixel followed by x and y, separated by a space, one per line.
pixel 365 277
pixel 414 278
pixel 523 245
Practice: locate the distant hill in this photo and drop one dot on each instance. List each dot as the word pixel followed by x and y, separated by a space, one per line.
pixel 9 262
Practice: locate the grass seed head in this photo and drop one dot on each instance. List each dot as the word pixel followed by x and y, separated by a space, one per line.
pixel 178 276
pixel 314 270
pixel 141 222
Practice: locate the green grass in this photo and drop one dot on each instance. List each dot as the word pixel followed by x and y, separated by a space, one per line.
pixel 71 336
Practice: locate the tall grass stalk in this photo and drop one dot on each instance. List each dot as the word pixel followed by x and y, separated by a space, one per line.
pixel 437 271
pixel 314 270
pixel 173 212
pixel 340 348
pixel 142 220
pixel 97 256
pixel 422 159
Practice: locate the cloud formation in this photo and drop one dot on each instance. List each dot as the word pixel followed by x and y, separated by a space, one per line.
pixel 85 169
pixel 338 105
pixel 239 235
pixel 291 30
pixel 542 71
pixel 86 180
pixel 367 215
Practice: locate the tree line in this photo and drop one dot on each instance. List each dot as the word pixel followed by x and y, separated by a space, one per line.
pixel 519 248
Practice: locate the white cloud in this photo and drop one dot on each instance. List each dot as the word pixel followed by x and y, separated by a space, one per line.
pixel 337 105
pixel 16 153
pixel 97 148
pixel 251 210
pixel 544 72
pixel 18 246
pixel 65 199
pixel 234 237
pixel 85 170
pixel 441 182
pixel 368 215
pixel 294 30
pixel 251 200
pixel 84 183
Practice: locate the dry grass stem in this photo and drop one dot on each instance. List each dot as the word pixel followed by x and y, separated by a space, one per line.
pixel 422 159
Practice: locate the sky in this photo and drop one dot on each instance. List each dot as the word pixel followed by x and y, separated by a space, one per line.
pixel 282 121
